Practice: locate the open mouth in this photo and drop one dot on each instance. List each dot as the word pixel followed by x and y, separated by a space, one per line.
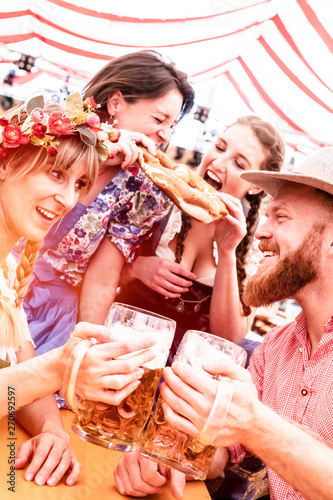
pixel 269 250
pixel 49 216
pixel 213 180
pixel 269 253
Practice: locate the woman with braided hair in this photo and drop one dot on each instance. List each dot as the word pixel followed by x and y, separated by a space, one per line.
pixel 191 256
pixel 46 161
pixel 25 172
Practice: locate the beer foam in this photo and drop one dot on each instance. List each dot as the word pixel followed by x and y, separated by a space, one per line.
pixel 163 338
pixel 198 347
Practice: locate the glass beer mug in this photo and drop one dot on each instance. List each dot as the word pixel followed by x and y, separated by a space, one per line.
pixel 120 427
pixel 163 443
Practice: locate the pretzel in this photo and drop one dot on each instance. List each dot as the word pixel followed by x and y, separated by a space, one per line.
pixel 190 192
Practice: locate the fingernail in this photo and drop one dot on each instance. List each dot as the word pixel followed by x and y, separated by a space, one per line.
pixel 140 372
pixel 180 492
pixel 208 365
pixel 70 482
pixel 52 481
pixel 40 480
pixel 29 477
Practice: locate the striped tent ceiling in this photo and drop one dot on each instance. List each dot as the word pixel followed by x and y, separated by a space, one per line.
pixel 271 57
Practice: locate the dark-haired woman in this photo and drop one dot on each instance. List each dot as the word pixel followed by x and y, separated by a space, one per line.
pixel 177 278
pixel 143 93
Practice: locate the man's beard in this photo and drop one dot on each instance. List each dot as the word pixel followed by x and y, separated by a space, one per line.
pixel 288 276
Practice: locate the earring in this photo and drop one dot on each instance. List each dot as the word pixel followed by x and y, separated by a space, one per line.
pixel 250 192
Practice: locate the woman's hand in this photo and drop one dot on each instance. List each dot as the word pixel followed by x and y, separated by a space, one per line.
pixel 170 279
pixel 231 229
pixel 125 151
pixel 50 457
pixel 103 375
pixel 137 476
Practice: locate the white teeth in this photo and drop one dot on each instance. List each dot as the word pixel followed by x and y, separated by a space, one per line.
pixel 47 214
pixel 213 176
pixel 269 253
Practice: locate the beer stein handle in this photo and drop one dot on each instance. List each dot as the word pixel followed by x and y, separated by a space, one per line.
pixel 218 412
pixel 72 370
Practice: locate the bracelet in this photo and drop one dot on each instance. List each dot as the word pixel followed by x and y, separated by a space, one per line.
pixel 72 370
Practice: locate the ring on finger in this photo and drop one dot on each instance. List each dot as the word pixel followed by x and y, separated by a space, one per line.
pixel 133 141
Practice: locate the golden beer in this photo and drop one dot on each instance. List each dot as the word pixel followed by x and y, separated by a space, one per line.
pixel 120 427
pixel 106 425
pixel 162 443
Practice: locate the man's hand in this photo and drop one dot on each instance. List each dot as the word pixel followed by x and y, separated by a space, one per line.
pixel 189 395
pixel 137 476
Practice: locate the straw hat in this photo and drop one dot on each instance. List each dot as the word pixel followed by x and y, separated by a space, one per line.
pixel 315 171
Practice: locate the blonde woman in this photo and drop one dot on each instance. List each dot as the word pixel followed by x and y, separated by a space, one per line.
pixel 48 158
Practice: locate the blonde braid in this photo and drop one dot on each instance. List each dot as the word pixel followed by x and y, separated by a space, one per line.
pixel 25 268
pixel 14 328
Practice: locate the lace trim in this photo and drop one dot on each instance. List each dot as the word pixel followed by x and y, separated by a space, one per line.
pixel 172 228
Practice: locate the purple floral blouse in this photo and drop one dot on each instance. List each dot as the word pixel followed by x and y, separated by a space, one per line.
pixel 124 211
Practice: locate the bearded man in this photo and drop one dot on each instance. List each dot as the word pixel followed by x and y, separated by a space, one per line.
pixel 282 406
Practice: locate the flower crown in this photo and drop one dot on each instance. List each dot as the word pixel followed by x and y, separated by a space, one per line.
pixel 42 129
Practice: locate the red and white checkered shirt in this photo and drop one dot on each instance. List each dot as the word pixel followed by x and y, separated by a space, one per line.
pixel 294 386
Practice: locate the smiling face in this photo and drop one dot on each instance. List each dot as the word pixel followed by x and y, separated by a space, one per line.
pixel 291 240
pixel 32 203
pixel 234 152
pixel 153 117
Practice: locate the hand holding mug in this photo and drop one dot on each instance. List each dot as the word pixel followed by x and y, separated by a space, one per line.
pixel 115 419
pixel 181 431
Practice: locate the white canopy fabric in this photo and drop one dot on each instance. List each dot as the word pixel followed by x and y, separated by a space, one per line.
pixel 270 57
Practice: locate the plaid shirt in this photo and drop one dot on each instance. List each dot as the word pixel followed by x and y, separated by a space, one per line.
pixel 294 386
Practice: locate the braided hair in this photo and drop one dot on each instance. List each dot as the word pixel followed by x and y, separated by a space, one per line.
pixel 244 246
pixel 186 226
pixel 273 147
pixel 14 328
pixel 25 268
